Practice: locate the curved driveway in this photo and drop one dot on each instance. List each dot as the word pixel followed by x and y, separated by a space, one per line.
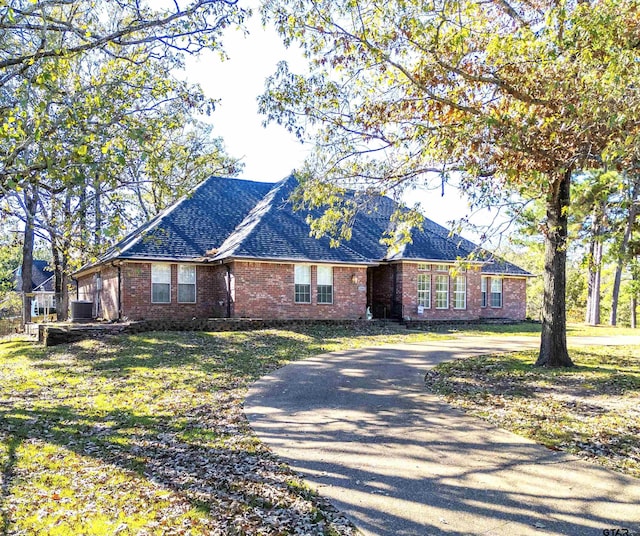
pixel 360 427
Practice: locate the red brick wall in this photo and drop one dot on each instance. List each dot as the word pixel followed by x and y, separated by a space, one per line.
pixel 136 294
pixel 514 300
pixel 410 295
pixel 86 287
pixel 266 290
pixel 109 293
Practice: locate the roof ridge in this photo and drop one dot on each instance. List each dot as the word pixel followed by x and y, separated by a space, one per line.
pixel 246 227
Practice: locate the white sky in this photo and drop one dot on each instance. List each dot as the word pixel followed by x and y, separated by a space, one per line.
pixel 271 153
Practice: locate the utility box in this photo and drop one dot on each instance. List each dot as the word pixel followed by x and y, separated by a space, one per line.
pixel 81 311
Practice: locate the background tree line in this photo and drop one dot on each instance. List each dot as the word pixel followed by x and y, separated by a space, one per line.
pixel 97 132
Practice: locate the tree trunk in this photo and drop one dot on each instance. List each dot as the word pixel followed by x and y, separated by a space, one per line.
pixel 30 204
pixel 97 231
pixel 624 247
pixel 590 279
pixel 635 290
pixel 593 314
pixel 594 319
pixel 61 248
pixel 615 294
pixel 553 343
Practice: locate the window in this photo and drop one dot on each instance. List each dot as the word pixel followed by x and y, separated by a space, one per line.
pixel 186 284
pixel 302 280
pixel 442 268
pixel 496 292
pixel 325 284
pixel 424 290
pixel 424 267
pixel 483 290
pixel 160 283
pixel 442 292
pixel 460 292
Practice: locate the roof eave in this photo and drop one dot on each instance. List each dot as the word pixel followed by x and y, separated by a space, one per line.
pixel 293 260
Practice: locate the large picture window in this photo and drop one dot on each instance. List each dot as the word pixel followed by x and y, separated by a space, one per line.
pixel 496 292
pixel 161 283
pixel 424 290
pixel 302 281
pixel 186 283
pixel 460 292
pixel 442 292
pixel 325 284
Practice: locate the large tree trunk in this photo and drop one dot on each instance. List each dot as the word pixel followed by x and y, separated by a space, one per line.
pixel 553 343
pixel 30 204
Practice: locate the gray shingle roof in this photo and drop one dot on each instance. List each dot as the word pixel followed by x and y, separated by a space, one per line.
pixel 41 277
pixel 273 230
pixel 195 224
pixel 236 218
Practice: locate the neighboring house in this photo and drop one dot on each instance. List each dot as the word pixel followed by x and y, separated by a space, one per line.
pixel 236 248
pixel 43 301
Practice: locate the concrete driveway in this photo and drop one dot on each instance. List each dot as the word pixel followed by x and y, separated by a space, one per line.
pixel 361 429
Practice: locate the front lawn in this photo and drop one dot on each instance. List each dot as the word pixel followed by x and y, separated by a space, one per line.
pixel 146 435
pixel 591 410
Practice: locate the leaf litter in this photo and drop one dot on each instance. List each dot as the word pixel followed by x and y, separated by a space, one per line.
pixel 146 435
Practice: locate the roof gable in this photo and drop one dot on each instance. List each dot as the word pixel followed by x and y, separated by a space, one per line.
pixel 200 221
pixel 41 277
pixel 274 230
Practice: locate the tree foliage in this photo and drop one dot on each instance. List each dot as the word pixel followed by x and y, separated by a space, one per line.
pixel 41 43
pixel 92 115
pixel 512 95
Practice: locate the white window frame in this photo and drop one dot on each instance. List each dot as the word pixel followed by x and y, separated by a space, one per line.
pixel 484 295
pixel 298 271
pixel 496 282
pixel 439 292
pixel 424 293
pixel 460 294
pixel 192 268
pixel 324 278
pixel 155 273
pixel 442 267
pixel 424 267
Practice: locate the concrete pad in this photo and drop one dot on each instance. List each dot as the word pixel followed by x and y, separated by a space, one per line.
pixel 360 428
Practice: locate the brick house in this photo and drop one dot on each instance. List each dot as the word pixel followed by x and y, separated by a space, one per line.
pixel 236 248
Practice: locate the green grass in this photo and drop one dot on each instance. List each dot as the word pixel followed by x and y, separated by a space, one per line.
pixel 145 434
pixel 590 410
pixel 533 329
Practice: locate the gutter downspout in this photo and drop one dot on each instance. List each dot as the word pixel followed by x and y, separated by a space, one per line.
pixel 119 267
pixel 77 287
pixel 228 291
pixel 119 292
